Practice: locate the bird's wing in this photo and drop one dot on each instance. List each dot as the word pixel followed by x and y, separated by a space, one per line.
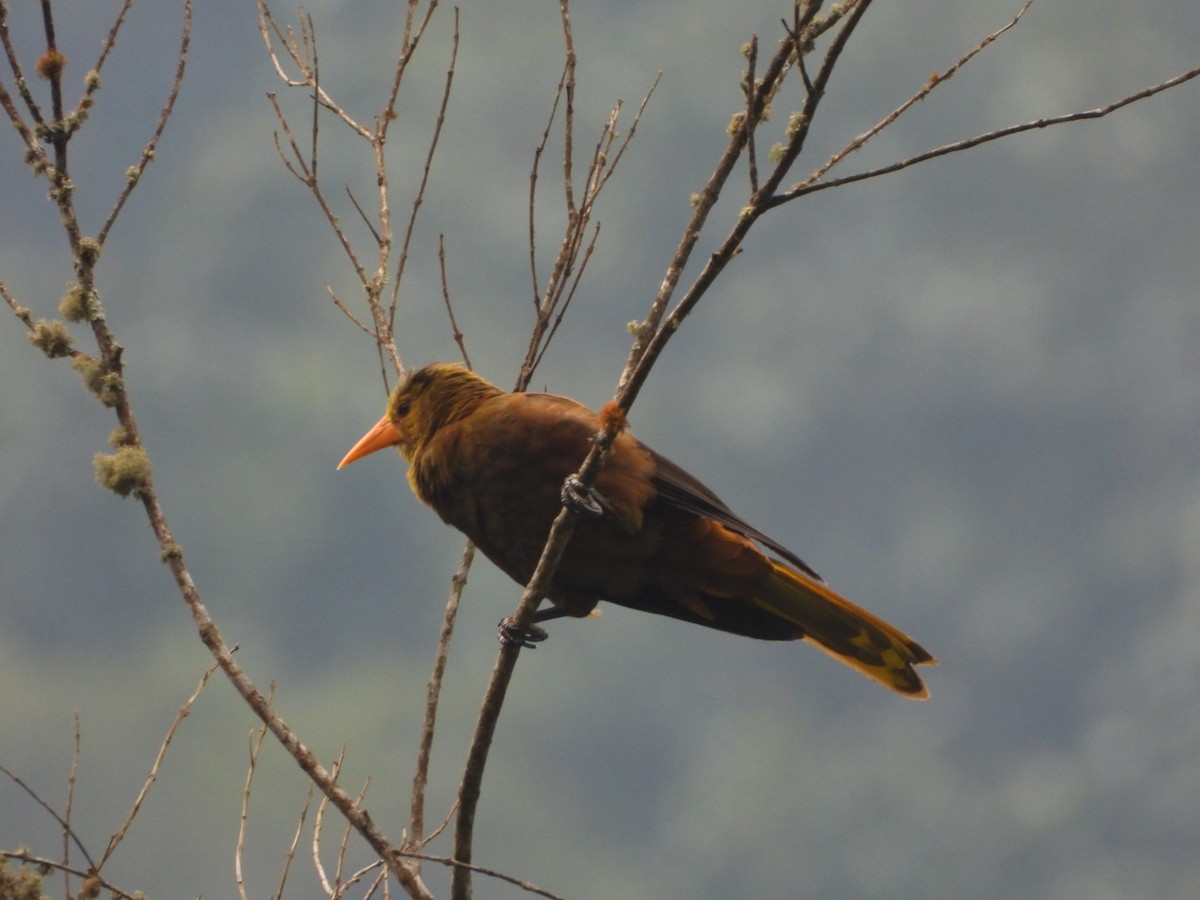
pixel 684 491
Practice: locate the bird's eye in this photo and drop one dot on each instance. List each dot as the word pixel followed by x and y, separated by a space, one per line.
pixel 402 408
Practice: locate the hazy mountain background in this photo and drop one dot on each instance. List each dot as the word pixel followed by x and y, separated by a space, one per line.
pixel 968 394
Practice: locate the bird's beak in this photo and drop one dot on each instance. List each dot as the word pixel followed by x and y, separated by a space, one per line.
pixel 384 434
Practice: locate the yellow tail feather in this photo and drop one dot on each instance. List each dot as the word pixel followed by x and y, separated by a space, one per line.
pixel 847 632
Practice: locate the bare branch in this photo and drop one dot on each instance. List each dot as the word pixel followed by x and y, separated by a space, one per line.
pixel 152 776
pixel 439 122
pixel 340 304
pixel 110 41
pixel 654 331
pixel 569 115
pixel 305 171
pixel 987 137
pixel 63 823
pixel 55 79
pixel 538 151
pixel 133 175
pixel 748 89
pixel 90 879
pixel 303 55
pixel 456 331
pixel 612 160
pixel 362 214
pixel 570 294
pixel 916 98
pixel 261 706
pixel 71 782
pixel 408 46
pixel 244 816
pixel 433 692
pixel 290 856
pixel 575 248
pixel 460 866
pixel 22 83
pixel 319 826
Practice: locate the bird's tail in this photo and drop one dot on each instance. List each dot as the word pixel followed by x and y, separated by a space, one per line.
pixel 846 632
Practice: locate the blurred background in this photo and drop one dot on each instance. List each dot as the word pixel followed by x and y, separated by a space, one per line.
pixel 968 394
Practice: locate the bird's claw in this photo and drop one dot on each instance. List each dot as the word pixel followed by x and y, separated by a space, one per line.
pixel 581 499
pixel 528 636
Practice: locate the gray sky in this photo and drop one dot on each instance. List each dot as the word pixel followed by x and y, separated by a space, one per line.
pixel 968 394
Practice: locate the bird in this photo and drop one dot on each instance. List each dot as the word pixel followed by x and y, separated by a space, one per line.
pixel 493 464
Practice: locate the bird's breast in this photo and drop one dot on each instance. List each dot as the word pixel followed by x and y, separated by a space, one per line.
pixel 501 487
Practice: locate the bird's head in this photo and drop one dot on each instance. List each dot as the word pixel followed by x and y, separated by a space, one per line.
pixel 425 401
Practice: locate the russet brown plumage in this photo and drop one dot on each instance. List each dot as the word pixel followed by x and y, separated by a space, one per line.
pixel 492 464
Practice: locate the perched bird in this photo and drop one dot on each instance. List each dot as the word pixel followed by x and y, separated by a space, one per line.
pixel 493 465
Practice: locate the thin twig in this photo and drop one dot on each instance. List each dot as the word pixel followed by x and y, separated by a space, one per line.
pixel 460 866
pixel 239 851
pixel 987 137
pixel 748 85
pixel 362 214
pixel 575 249
pixel 380 883
pixel 433 692
pixel 419 199
pixel 408 47
pixel 444 824
pixel 290 855
pixel 934 81
pixel 152 776
pixel 456 331
pixel 76 752
pixel 133 175
pixel 538 151
pixel 349 314
pixel 21 81
pixel 569 115
pixel 56 99
pixel 569 296
pixel 319 827
pixel 63 824
pixel 358 875
pixel 304 169
pixel 301 56
pixel 344 884
pixel 656 332
pixel 612 160
pixel 86 876
pixel 110 40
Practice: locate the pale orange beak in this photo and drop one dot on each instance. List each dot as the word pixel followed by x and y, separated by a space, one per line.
pixel 383 435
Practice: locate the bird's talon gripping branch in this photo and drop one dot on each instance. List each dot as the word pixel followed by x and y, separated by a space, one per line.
pixel 528 637
pixel 581 499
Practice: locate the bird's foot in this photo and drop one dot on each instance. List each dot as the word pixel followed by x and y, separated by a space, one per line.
pixel 528 637
pixel 581 499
